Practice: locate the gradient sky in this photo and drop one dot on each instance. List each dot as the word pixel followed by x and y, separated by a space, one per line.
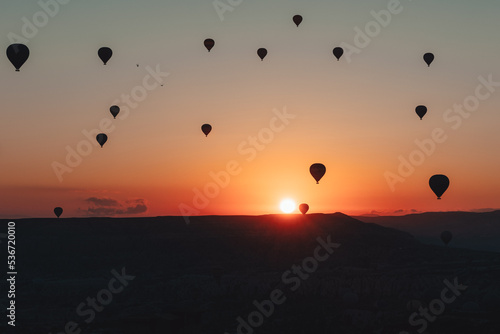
pixel 356 117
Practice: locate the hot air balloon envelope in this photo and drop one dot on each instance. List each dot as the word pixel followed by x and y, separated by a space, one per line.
pixel 105 54
pixel 262 53
pixel 439 183
pixel 18 54
pixel 446 237
pixel 338 52
pixel 304 208
pixel 297 19
pixel 58 211
pixel 114 110
pixel 317 171
pixel 206 128
pixel 428 58
pixel 209 44
pixel 421 111
pixel 102 139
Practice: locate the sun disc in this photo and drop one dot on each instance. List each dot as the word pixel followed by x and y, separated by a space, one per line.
pixel 287 205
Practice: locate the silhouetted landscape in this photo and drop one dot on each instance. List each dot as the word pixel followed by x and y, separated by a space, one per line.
pixel 474 230
pixel 155 156
pixel 200 277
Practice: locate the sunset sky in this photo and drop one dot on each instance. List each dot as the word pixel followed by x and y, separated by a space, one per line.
pixel 356 116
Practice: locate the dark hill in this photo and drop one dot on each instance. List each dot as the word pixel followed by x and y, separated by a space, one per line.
pixel 199 278
pixel 480 231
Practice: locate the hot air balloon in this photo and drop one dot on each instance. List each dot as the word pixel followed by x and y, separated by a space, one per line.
pixel 58 211
pixel 439 183
pixel 262 53
pixel 304 208
pixel 421 111
pixel 102 139
pixel 114 110
pixel 297 19
pixel 105 54
pixel 446 237
pixel 18 54
pixel 209 44
pixel 206 128
pixel 317 171
pixel 428 58
pixel 338 52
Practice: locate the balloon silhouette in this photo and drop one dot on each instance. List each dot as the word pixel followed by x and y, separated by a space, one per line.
pixel 338 52
pixel 102 139
pixel 18 54
pixel 262 53
pixel 206 128
pixel 297 19
pixel 421 111
pixel 105 54
pixel 209 44
pixel 428 58
pixel 446 237
pixel 317 171
pixel 304 208
pixel 58 211
pixel 114 110
pixel 439 183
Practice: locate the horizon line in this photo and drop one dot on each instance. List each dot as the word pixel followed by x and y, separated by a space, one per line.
pixel 366 215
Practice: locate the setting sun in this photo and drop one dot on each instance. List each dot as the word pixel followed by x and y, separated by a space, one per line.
pixel 287 205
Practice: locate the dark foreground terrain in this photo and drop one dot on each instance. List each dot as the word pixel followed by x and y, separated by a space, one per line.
pixel 268 274
pixel 473 230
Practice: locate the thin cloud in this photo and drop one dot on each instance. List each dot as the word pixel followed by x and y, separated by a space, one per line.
pixel 103 201
pixel 100 207
pixel 139 207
